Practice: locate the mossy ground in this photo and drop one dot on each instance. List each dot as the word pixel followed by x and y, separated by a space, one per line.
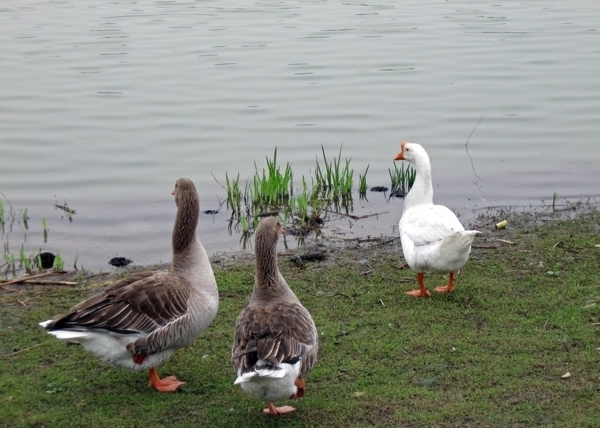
pixel 490 354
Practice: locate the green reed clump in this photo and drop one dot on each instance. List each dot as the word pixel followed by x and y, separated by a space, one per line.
pixel 300 204
pixel 334 181
pixel 402 179
pixel 9 260
pixel 25 218
pixel 272 188
pixel 234 195
pixel 45 227
pixel 2 220
pixel 362 184
pixel 59 263
pixel 25 260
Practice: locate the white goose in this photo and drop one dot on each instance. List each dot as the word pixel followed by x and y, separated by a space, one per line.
pixel 275 339
pixel 432 237
pixel 139 321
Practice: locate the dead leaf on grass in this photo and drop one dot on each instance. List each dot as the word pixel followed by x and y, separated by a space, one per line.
pixel 567 375
pixel 358 394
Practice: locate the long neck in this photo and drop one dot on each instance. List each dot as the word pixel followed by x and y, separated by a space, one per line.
pixel 186 221
pixel 422 190
pixel 269 283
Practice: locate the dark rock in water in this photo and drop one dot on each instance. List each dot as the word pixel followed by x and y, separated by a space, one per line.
pixel 211 212
pixel 379 189
pixel 398 194
pixel 47 260
pixel 119 261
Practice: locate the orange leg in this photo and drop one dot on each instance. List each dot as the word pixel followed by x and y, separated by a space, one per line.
pixel 422 291
pixel 447 288
pixel 283 410
pixel 299 382
pixel 168 384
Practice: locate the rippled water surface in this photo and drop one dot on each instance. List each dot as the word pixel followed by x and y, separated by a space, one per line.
pixel 105 104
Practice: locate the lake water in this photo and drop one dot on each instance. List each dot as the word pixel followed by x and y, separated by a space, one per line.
pixel 104 104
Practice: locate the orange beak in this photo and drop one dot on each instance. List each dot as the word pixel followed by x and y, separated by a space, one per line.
pixel 282 231
pixel 400 156
pixel 173 192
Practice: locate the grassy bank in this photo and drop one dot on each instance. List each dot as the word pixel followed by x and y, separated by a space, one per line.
pixel 525 313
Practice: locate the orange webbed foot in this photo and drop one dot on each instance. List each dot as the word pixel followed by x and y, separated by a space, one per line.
pixel 168 384
pixel 447 288
pixel 283 410
pixel 422 291
pixel 417 293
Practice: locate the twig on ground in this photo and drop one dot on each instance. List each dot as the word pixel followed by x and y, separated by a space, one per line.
pixel 25 278
pixel 355 217
pixel 65 208
pixel 23 350
pixel 505 241
pixel 34 281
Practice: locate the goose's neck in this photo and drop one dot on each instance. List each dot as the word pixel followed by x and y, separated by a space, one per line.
pixel 185 260
pixel 186 221
pixel 421 191
pixel 269 282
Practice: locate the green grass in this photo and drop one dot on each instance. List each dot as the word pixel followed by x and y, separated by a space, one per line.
pixel 490 354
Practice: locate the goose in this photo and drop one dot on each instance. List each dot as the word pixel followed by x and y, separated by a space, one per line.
pixel 139 321
pixel 432 238
pixel 275 338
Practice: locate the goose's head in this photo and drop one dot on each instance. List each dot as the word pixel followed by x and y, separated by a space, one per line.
pixel 183 187
pixel 411 152
pixel 268 232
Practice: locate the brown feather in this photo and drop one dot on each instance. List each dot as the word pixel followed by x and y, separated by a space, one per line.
pixel 276 333
pixel 126 308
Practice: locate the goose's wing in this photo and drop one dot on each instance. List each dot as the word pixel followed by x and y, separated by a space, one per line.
pixel 280 333
pixel 138 307
pixel 425 225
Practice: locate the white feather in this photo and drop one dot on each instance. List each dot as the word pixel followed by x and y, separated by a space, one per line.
pixel 268 384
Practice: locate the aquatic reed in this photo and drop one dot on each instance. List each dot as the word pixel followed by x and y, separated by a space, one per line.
pixel 59 263
pixel 2 215
pixel 25 218
pixel 234 195
pixel 45 227
pixel 272 188
pixel 362 184
pixel 333 181
pixel 402 180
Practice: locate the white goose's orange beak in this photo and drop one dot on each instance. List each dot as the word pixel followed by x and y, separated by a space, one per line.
pixel 400 155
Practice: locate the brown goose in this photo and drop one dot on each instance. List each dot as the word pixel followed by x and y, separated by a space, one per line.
pixel 275 341
pixel 139 321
